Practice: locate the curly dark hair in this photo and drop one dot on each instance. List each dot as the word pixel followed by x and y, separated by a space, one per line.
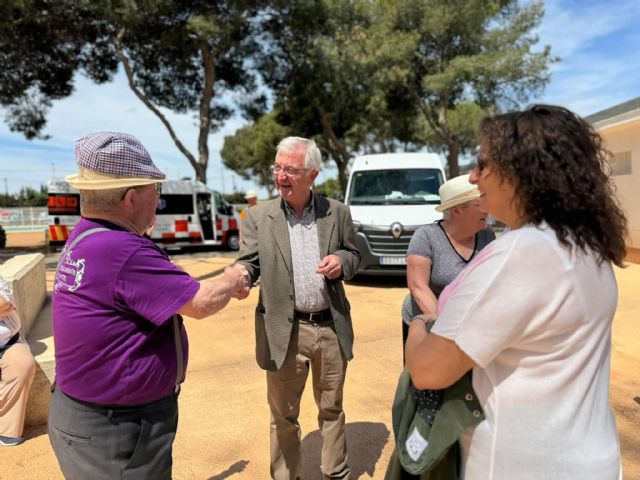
pixel 559 168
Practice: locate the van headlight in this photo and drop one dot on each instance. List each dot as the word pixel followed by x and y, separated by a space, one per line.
pixel 357 226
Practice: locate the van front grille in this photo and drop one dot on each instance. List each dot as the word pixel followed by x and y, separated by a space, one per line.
pixel 382 241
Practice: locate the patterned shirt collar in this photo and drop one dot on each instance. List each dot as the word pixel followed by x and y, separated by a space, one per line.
pixel 309 207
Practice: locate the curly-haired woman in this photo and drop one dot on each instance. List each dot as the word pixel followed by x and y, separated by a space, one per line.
pixel 532 313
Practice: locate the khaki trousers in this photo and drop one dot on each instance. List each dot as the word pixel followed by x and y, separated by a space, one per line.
pixel 314 347
pixel 17 369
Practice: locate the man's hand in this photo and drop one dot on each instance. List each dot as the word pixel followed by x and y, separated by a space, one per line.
pixel 235 272
pixel 330 266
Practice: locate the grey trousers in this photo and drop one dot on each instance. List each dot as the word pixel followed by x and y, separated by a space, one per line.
pixel 95 443
pixel 313 347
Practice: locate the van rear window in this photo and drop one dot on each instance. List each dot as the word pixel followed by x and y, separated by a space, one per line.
pixel 175 204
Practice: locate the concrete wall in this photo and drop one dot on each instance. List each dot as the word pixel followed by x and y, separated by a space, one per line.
pixel 26 275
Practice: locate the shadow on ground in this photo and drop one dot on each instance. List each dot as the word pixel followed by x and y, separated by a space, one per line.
pixel 35 431
pixel 232 470
pixel 365 441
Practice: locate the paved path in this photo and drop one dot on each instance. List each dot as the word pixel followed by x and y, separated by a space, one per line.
pixel 223 431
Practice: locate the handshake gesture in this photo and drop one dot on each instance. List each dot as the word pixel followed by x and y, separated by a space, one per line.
pixel 238 277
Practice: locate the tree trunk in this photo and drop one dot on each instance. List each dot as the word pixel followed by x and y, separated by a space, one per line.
pixel 440 127
pixel 205 111
pixel 452 160
pixel 336 148
pixel 199 165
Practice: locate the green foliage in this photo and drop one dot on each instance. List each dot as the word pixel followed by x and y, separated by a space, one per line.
pixel 330 188
pixel 27 197
pixel 251 151
pixel 359 76
pixel 314 65
pixel 184 56
pixel 235 197
pixel 40 50
pixel 459 60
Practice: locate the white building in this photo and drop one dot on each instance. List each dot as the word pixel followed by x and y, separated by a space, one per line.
pixel 620 128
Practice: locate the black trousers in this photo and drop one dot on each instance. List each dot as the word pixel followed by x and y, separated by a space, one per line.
pixel 94 442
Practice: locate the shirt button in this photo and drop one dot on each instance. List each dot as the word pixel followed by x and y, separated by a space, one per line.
pixel 290 320
pixel 290 297
pixel 468 397
pixel 476 413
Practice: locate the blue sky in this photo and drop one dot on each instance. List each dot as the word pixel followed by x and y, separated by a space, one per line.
pixel 599 46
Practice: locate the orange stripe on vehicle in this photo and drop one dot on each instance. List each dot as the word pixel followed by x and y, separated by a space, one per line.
pixel 194 235
pixel 169 236
pixel 233 224
pixel 58 233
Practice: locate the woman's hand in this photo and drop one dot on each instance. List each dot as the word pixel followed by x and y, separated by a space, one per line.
pixel 5 307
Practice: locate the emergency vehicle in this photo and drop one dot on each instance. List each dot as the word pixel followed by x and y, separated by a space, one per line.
pixel 188 213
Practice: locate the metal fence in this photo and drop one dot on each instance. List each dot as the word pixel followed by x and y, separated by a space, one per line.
pixel 27 218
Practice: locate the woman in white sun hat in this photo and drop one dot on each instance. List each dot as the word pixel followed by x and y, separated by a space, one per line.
pixel 438 252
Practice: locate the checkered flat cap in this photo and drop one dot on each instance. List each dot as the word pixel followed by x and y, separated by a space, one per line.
pixel 114 153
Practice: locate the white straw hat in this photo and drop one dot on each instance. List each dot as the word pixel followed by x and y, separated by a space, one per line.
pixel 456 191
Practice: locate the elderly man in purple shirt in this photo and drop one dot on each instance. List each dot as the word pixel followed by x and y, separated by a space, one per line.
pixel 121 348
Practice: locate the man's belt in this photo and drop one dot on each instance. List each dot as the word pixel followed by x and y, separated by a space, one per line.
pixel 323 316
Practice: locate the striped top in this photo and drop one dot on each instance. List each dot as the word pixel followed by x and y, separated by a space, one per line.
pixel 9 324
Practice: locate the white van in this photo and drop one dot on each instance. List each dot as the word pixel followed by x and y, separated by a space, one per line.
pixel 390 195
pixel 188 213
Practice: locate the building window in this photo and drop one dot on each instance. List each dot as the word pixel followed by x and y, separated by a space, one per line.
pixel 621 164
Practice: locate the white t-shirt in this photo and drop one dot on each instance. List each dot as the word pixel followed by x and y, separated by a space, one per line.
pixel 536 320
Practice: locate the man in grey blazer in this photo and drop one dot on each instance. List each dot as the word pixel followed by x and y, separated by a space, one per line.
pixel 302 247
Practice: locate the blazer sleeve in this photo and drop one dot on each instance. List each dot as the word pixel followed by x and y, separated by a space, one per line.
pixel 249 255
pixel 348 253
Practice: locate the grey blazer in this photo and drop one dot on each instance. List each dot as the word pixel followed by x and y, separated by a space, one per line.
pixel 266 253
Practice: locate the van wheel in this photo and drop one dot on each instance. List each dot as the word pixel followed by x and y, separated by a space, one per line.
pixel 3 238
pixel 233 241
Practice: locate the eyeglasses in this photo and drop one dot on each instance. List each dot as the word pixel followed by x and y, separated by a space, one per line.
pixel 157 186
pixel 288 170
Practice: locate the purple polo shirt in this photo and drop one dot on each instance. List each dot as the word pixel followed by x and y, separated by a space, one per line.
pixel 114 295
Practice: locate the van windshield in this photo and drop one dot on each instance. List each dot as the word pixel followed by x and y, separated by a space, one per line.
pixel 413 186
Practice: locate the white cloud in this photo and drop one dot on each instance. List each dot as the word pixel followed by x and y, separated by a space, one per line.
pixel 600 53
pixel 570 26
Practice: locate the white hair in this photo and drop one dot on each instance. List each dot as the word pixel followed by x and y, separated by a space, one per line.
pixel 312 157
pixel 446 214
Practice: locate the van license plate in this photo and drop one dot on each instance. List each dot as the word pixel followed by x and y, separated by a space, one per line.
pixel 393 260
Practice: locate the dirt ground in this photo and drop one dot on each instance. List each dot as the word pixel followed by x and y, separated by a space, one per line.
pixel 224 424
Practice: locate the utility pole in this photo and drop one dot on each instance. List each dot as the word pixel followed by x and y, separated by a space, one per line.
pixel 6 189
pixel 222 177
